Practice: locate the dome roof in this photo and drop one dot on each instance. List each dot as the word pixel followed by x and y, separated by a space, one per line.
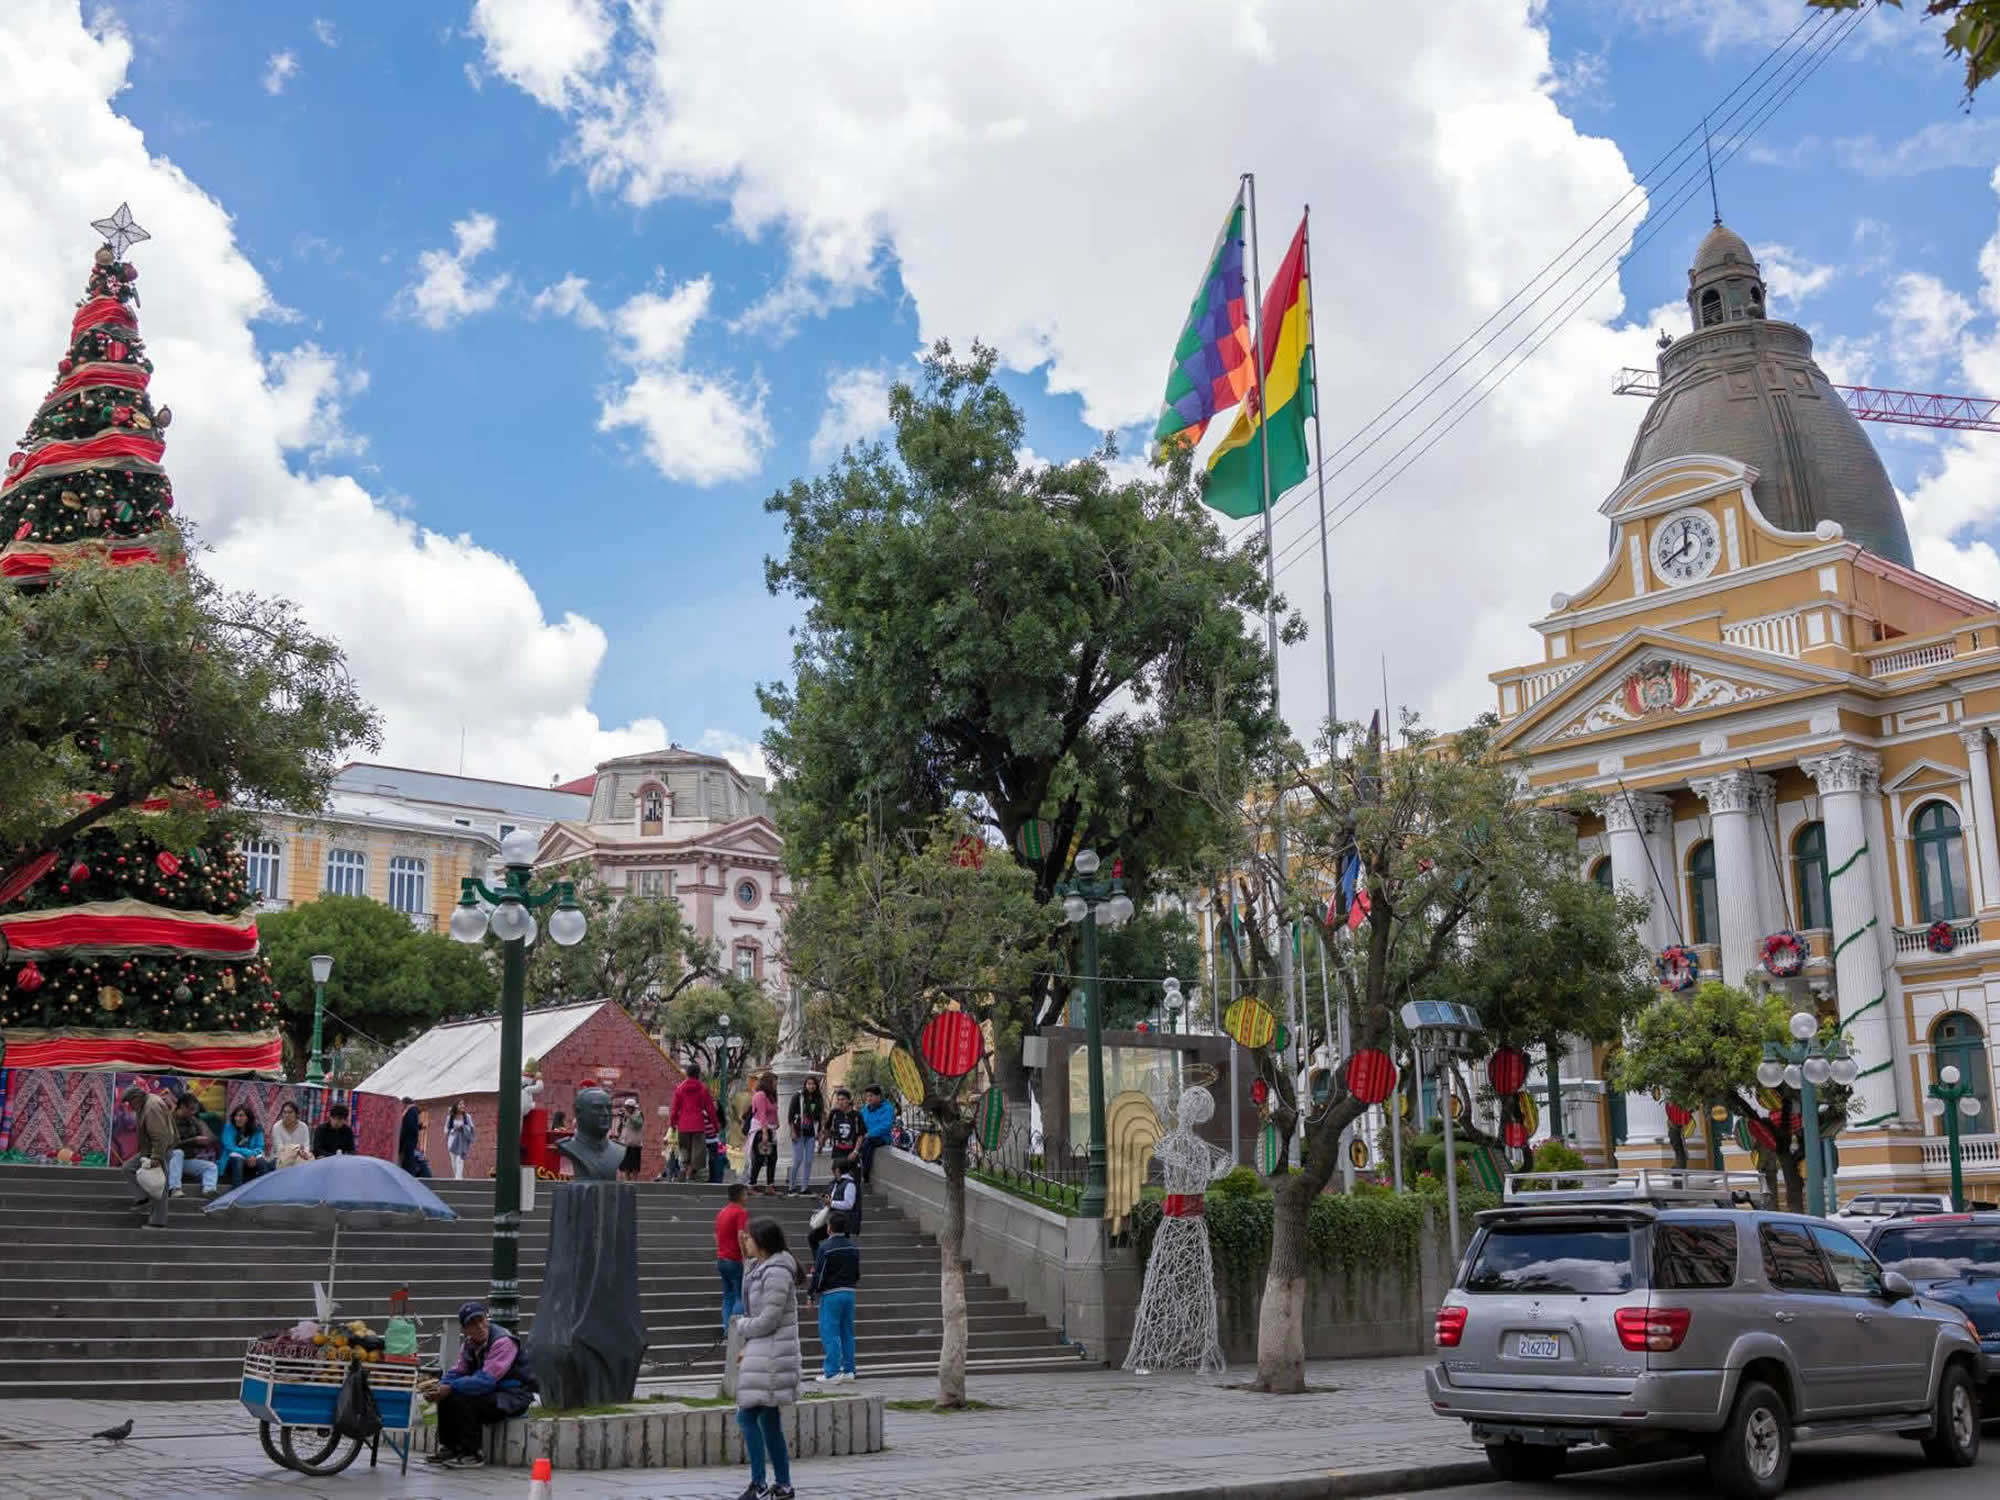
pixel 1745 386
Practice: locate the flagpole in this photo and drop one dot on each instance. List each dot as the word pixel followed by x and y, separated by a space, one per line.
pixel 1271 610
pixel 1319 468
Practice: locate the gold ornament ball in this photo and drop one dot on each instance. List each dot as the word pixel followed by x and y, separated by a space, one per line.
pixel 110 997
pixel 104 257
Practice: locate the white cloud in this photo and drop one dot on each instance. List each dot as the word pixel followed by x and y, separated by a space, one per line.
pixel 1790 277
pixel 545 46
pixel 744 754
pixel 654 330
pixel 279 70
pixel 446 290
pixel 857 409
pixel 323 32
pixel 1004 165
pixel 568 298
pixel 1926 319
pixel 694 428
pixel 395 594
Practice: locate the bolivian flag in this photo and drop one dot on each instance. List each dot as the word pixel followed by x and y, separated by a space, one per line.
pixel 1236 467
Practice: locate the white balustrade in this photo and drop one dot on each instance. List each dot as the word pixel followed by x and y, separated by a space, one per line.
pixel 1933 655
pixel 1777 634
pixel 1538 686
pixel 1979 1153
pixel 1918 939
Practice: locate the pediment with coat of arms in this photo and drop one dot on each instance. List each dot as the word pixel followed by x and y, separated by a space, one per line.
pixel 1659 688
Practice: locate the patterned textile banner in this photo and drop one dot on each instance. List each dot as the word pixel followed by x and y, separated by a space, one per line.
pixel 63 1117
pixel 220 1054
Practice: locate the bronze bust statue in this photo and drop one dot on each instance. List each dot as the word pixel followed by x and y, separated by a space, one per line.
pixel 596 1155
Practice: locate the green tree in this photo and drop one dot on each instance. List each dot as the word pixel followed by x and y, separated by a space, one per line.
pixel 906 929
pixel 1011 640
pixel 389 980
pixel 1145 950
pixel 695 1014
pixel 1701 1051
pixel 637 950
pixel 1972 34
pixel 1439 837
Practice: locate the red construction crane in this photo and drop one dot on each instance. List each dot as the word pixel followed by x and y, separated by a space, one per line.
pixel 1903 408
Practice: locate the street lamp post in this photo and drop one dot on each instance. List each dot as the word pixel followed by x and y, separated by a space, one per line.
pixel 1174 1001
pixel 1805 1064
pixel 725 1045
pixel 1083 899
pixel 322 968
pixel 1951 1098
pixel 512 920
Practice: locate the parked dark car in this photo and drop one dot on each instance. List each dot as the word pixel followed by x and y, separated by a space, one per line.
pixel 1951 1258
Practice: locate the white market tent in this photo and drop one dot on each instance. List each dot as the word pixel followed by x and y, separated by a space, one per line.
pixel 463 1057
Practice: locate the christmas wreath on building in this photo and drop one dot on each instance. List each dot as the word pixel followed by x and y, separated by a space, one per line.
pixel 1678 966
pixel 1784 954
pixel 1941 938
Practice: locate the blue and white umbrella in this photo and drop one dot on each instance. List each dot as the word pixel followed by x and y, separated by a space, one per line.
pixel 359 1192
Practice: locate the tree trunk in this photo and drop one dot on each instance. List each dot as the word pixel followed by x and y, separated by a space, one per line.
pixel 1677 1139
pixel 1795 1182
pixel 951 1269
pixel 1281 1317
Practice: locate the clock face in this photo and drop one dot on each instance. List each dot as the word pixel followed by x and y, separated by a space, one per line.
pixel 1685 547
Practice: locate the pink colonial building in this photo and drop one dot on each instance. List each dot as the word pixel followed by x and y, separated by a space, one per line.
pixel 695 829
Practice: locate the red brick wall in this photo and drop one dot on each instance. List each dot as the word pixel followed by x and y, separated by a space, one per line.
pixel 608 1040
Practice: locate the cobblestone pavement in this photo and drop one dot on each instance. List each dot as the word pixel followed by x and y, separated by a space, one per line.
pixel 1052 1436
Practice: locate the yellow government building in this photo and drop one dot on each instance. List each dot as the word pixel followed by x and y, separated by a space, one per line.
pixel 1785 728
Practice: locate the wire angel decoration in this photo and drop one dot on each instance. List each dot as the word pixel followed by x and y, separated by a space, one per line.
pixel 1176 1323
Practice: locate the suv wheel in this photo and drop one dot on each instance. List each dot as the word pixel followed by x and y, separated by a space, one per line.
pixel 1751 1457
pixel 1954 1441
pixel 1526 1463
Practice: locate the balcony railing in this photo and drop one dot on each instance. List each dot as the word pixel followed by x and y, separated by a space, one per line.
pixel 1539 685
pixel 1936 654
pixel 1777 634
pixel 1977 1154
pixel 1917 939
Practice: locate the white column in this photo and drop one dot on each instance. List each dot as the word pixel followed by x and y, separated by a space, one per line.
pixel 1773 862
pixel 1875 815
pixel 1730 798
pixel 1629 819
pixel 1984 838
pixel 1860 986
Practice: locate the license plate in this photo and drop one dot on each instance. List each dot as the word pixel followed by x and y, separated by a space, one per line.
pixel 1538 1346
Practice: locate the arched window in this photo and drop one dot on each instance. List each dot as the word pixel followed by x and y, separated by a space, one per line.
pixel 1943 893
pixel 1703 915
pixel 346 872
pixel 1711 307
pixel 652 809
pixel 1601 872
pixel 408 877
pixel 1958 1041
pixel 1809 876
pixel 263 869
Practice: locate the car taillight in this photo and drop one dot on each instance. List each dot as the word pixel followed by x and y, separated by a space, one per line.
pixel 1450 1326
pixel 1652 1329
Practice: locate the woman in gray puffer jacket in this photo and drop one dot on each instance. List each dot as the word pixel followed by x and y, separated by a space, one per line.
pixel 767 1371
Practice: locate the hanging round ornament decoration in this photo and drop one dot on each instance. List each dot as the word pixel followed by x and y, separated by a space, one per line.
pixel 992 1118
pixel 1033 840
pixel 1507 1070
pixel 28 978
pixel 1457 1107
pixel 1515 1134
pixel 1784 954
pixel 952 1043
pixel 1529 1111
pixel 1371 1075
pixel 1357 1152
pixel 1270 1151
pixel 1281 1039
pixel 1260 1092
pixel 1249 1023
pixel 903 1072
pixel 1677 967
pixel 930 1145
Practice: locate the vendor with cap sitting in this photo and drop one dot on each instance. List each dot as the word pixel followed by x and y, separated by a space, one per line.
pixel 490 1383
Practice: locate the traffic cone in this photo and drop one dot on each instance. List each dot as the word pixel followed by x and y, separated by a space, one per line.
pixel 541 1480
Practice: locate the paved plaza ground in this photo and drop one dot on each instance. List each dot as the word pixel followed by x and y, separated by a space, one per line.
pixel 1092 1433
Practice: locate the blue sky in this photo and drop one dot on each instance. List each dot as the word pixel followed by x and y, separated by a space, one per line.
pixel 844 187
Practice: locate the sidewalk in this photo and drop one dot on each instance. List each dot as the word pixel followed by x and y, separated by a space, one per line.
pixel 1054 1436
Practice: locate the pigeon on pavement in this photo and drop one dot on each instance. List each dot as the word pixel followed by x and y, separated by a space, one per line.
pixel 116 1434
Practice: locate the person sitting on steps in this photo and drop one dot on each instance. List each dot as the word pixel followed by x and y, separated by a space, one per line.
pixel 878 1119
pixel 492 1381
pixel 196 1147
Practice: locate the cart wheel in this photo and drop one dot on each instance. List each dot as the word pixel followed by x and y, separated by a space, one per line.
pixel 271 1449
pixel 317 1449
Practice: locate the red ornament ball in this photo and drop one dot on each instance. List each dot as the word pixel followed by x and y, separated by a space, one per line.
pixel 24 531
pixel 1371 1075
pixel 1515 1134
pixel 79 872
pixel 1508 1070
pixel 168 861
pixel 29 978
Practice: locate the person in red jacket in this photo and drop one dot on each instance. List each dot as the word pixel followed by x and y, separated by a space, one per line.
pixel 730 1224
pixel 691 1113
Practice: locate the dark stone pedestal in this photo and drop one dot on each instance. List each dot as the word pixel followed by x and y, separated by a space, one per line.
pixel 590 1333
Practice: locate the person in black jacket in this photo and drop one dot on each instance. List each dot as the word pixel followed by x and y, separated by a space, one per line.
pixel 836 1273
pixel 334 1136
pixel 843 1130
pixel 804 1118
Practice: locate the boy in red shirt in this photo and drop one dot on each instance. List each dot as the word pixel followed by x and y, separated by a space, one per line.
pixel 730 1224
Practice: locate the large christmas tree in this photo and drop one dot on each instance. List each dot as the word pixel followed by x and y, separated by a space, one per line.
pixel 116 930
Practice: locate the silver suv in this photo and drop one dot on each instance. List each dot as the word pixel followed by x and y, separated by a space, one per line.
pixel 1624 1306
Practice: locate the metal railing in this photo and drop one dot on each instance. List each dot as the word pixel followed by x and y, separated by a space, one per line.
pixel 1934 655
pixel 1918 939
pixel 1022 1161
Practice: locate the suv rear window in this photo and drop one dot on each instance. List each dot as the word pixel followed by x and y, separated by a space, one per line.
pixel 1940 1250
pixel 1552 1258
pixel 1694 1257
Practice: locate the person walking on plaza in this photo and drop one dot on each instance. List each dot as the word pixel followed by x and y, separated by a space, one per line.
pixel 691 1115
pixel 730 1222
pixel 878 1123
pixel 490 1383
pixel 195 1146
pixel 843 1130
pixel 459 1134
pixel 803 1119
pixel 836 1273
pixel 632 1136
pixel 760 1137
pixel 154 1148
pixel 767 1368
pixel 242 1147
pixel 334 1136
pixel 291 1137
pixel 410 1141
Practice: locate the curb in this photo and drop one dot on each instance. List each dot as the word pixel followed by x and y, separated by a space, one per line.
pixel 1339 1484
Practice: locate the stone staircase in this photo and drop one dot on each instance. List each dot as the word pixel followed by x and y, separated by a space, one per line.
pixel 94 1306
